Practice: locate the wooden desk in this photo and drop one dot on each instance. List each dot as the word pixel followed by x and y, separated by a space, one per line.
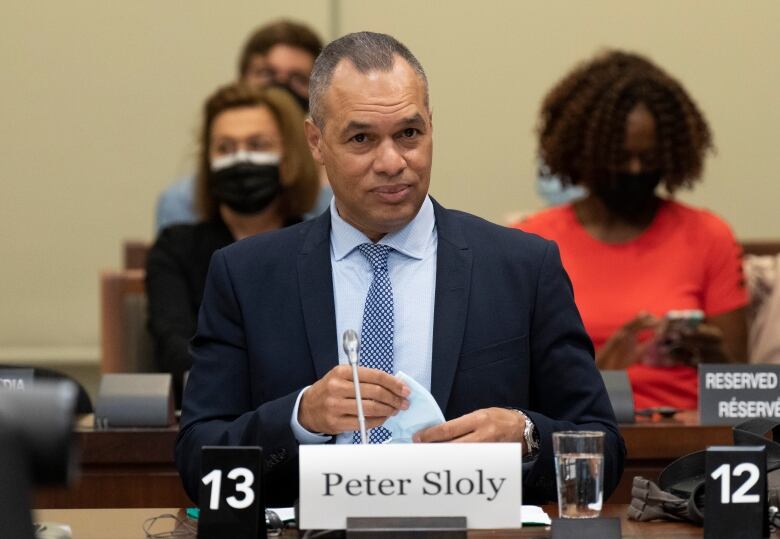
pixel 134 467
pixel 127 524
pixel 121 468
pixel 104 523
pixel 653 443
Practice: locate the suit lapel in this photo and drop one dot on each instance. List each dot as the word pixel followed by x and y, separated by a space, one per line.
pixel 316 290
pixel 453 275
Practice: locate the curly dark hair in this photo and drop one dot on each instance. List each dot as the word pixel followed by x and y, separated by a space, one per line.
pixel 583 122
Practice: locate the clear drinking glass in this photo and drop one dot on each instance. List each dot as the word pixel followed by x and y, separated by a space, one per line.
pixel 579 473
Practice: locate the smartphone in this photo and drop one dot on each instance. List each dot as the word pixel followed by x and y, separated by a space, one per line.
pixel 677 324
pixel 682 321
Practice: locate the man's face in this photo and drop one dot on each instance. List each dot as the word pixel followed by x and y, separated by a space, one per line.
pixel 376 144
pixel 282 64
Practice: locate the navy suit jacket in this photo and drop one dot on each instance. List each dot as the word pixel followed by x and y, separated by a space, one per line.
pixel 506 332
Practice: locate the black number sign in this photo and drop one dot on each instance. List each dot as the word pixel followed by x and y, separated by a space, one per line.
pixel 230 495
pixel 735 504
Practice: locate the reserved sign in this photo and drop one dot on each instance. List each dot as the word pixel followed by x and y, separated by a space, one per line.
pixel 16 379
pixel 729 394
pixel 479 481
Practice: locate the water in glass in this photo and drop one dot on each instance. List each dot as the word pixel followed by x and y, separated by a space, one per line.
pixel 580 484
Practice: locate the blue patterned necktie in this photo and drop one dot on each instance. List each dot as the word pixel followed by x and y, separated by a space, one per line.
pixel 376 335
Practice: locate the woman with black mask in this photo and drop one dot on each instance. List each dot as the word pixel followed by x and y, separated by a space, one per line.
pixel 255 175
pixel 658 283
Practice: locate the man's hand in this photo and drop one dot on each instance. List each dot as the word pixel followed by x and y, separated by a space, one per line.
pixel 329 405
pixel 485 425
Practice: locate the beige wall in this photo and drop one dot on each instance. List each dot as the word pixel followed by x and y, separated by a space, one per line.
pixel 490 63
pixel 100 103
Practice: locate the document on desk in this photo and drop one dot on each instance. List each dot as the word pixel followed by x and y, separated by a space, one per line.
pixel 533 515
pixel 286 514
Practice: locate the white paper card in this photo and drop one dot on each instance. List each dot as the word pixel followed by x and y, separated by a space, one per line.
pixel 479 481
pixel 533 514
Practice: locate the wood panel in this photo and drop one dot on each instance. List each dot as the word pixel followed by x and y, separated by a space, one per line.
pixel 653 443
pixel 121 468
pixel 114 286
pixel 135 467
pixel 761 247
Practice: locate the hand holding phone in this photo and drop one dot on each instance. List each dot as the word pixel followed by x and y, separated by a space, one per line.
pixel 677 336
pixel 679 323
pixel 627 345
pixel 674 342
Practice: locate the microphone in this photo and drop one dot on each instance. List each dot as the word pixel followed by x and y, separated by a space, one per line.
pixel 351 343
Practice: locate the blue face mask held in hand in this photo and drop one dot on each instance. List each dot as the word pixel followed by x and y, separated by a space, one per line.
pixel 423 412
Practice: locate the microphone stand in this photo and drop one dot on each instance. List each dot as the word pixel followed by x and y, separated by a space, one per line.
pixel 351 343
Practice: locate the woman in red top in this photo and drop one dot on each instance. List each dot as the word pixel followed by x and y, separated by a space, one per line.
pixel 621 127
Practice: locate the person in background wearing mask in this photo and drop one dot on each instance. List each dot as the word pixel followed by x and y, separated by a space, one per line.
pixel 621 127
pixel 255 174
pixel 278 54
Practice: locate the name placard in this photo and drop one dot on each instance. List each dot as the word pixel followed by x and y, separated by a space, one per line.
pixel 479 481
pixel 16 379
pixel 729 394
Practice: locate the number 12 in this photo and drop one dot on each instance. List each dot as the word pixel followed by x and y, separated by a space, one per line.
pixel 722 472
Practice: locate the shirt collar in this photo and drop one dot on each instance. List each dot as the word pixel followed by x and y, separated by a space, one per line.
pixel 411 240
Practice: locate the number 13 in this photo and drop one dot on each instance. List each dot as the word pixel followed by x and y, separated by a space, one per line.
pixel 214 478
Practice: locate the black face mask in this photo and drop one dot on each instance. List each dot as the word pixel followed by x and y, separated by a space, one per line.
pixel 631 195
pixel 245 187
pixel 302 101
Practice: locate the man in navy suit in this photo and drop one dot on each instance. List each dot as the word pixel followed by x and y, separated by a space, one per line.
pixel 481 315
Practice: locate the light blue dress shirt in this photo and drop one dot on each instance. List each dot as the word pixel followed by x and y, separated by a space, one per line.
pixel 412 268
pixel 176 205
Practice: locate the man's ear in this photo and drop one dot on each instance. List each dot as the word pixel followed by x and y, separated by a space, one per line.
pixel 314 138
